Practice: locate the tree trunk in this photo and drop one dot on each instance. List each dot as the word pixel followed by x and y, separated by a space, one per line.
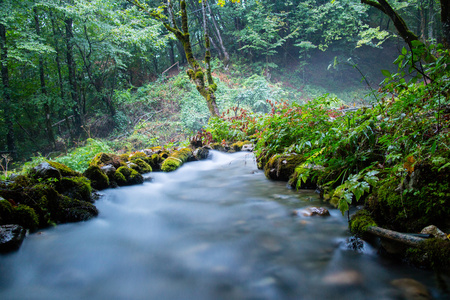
pixel 48 124
pixel 445 19
pixel 57 58
pixel 226 56
pixel 72 77
pixel 6 94
pixel 398 21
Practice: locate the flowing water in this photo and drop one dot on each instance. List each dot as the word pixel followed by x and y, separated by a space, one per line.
pixel 215 229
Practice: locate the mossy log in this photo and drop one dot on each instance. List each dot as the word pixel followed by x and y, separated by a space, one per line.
pixel 404 238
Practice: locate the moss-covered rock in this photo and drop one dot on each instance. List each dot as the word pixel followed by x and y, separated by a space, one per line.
pixel 281 167
pixel 6 212
pixel 360 221
pixel 155 162
pixel 64 170
pixel 431 253
pixel 143 166
pixel 73 210
pixel 103 159
pixel 127 176
pixel 415 202
pixel 45 171
pixel 238 146
pixel 201 153
pixel 26 217
pixel 171 164
pixel 177 159
pixel 99 180
pixel 76 188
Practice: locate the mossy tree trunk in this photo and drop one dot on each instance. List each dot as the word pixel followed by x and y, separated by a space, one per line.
pixel 398 21
pixel 204 83
pixel 5 92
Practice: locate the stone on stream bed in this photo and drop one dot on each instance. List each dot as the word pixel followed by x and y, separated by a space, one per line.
pixel 11 237
pixel 311 211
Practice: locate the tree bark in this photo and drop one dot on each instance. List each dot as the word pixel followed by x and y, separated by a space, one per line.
pixel 403 238
pixel 6 94
pixel 72 76
pixel 226 56
pixel 48 123
pixel 398 21
pixel 445 20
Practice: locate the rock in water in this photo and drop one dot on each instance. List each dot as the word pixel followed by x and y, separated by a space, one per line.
pixel 411 289
pixel 435 232
pixel 312 211
pixel 11 237
pixel 346 277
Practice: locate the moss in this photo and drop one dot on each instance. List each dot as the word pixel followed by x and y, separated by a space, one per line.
pixel 127 176
pixel 431 253
pixel 217 146
pixel 144 167
pixel 177 159
pixel 102 159
pixel 120 179
pixel 237 146
pixel 281 167
pixel 99 180
pixel 26 217
pixel 199 74
pixel 73 210
pixel 164 154
pixel 64 170
pixel 155 162
pixel 171 164
pixel 360 221
pixel 6 212
pixel 76 188
pixel 410 209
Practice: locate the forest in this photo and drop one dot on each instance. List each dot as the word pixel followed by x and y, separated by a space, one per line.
pixel 347 97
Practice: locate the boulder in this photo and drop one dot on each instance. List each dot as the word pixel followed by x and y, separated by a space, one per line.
pixel 109 170
pixel 127 176
pixel 99 180
pixel 201 153
pixel 11 237
pixel 247 147
pixel 411 289
pixel 46 171
pixel 281 167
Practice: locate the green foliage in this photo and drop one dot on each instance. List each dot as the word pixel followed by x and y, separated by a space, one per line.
pixel 79 158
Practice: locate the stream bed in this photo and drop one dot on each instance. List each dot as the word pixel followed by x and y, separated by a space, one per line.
pixel 214 229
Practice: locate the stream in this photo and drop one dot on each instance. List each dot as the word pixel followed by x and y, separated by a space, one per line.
pixel 214 229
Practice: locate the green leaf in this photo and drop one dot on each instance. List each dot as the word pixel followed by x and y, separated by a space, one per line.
pixel 386 73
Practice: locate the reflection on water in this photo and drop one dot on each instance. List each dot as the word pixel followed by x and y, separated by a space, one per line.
pixel 215 229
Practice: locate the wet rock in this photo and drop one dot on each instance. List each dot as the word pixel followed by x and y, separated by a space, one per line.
pixel 99 180
pixel 411 289
pixel 281 167
pixel 11 237
pixel 109 170
pixel 346 277
pixel 127 176
pixel 201 153
pixel 45 171
pixel 311 211
pixel 435 232
pixel 247 147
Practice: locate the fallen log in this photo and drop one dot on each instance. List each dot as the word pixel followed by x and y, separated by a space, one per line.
pixel 404 238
